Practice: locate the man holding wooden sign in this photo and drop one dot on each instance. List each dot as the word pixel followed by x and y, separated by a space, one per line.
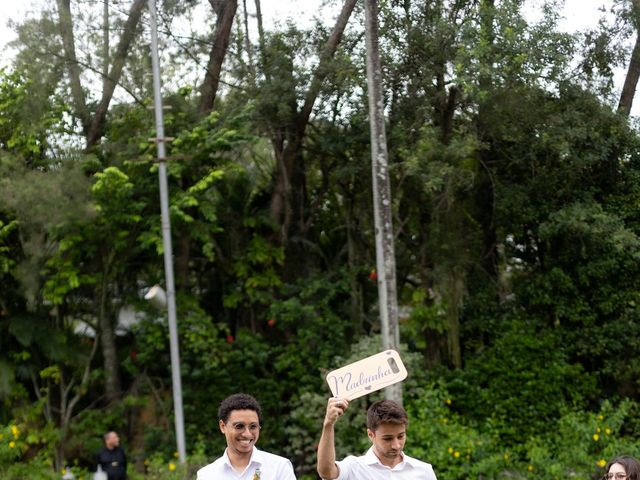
pixel 386 425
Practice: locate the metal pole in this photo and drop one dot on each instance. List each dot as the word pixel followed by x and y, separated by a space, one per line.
pixel 385 249
pixel 166 238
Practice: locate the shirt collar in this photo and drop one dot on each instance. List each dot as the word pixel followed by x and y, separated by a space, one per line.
pixel 370 458
pixel 256 458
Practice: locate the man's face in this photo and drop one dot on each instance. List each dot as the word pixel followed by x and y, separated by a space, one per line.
pixel 241 430
pixel 388 441
pixel 112 440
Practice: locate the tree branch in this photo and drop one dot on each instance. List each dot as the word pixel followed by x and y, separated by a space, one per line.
pixel 226 12
pixel 83 384
pixel 72 65
pixel 96 129
pixel 322 70
pixel 633 72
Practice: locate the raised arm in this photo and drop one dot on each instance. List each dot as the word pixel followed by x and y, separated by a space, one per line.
pixel 327 468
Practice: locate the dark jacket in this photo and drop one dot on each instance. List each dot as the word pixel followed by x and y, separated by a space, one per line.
pixel 113 463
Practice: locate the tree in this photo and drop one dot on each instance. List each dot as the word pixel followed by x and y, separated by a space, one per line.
pixel 225 13
pixel 93 122
pixel 633 71
pixel 288 188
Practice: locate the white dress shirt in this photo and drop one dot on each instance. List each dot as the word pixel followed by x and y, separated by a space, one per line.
pixel 262 466
pixel 368 467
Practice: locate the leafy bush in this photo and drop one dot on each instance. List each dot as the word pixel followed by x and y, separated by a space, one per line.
pixel 521 383
pixel 575 445
pixel 436 434
pixel 580 443
pixel 25 450
pixel 159 467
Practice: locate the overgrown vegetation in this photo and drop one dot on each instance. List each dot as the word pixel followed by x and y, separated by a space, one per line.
pixel 516 209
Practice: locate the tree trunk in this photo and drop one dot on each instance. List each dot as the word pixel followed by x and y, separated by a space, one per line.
pixel 105 44
pixel 226 12
pixel 633 72
pixel 108 344
pixel 71 61
pixel 183 259
pixel 96 129
pixel 356 309
pixel 289 151
pixel 485 191
pixel 261 38
pixel 247 43
pixel 454 284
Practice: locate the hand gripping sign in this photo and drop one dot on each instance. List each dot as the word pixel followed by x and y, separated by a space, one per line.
pixel 367 375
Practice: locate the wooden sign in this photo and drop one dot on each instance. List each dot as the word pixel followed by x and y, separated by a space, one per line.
pixel 367 375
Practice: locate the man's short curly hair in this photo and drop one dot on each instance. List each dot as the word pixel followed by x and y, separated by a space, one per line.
pixel 238 401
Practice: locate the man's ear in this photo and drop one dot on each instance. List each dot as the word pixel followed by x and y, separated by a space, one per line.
pixel 370 434
pixel 222 426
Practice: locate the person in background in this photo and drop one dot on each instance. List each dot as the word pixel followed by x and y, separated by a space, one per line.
pixel 111 457
pixel 239 419
pixel 387 430
pixel 622 467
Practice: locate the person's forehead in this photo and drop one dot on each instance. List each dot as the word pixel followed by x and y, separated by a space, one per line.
pixel 616 468
pixel 391 429
pixel 246 416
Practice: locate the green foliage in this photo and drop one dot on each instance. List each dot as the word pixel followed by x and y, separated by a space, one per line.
pixel 161 468
pixel 26 116
pixel 581 442
pixel 256 273
pixel 36 469
pixel 576 444
pixel 515 199
pixel 438 434
pixel 12 446
pixel 521 383
pixel 42 202
pixel 26 445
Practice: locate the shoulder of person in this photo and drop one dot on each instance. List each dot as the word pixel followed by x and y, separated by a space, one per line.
pixel 351 459
pixel 417 463
pixel 270 457
pixel 217 463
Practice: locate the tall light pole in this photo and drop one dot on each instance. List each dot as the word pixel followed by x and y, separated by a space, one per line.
pixel 385 249
pixel 166 238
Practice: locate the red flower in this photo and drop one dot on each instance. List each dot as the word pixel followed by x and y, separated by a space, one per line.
pixel 373 276
pixel 230 339
pixel 271 322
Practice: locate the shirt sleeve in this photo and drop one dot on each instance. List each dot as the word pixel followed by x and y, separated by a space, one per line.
pixel 286 471
pixel 346 467
pixel 432 474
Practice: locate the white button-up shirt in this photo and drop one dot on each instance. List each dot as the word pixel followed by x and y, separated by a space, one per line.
pixel 262 466
pixel 368 467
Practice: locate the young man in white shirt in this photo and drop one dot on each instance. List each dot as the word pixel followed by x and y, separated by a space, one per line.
pixel 239 418
pixel 387 429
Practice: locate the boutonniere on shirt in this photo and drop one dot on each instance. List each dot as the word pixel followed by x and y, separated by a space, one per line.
pixel 256 475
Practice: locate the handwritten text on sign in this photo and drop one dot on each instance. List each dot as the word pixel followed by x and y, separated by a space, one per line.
pixel 367 375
